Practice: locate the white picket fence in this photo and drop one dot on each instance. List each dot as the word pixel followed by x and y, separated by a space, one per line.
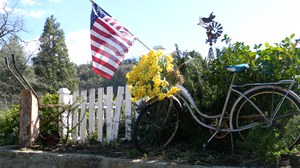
pixel 98 113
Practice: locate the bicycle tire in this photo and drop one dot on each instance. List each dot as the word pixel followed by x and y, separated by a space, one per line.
pixel 156 125
pixel 284 123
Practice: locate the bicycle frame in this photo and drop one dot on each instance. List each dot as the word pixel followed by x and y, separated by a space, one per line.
pixel 192 107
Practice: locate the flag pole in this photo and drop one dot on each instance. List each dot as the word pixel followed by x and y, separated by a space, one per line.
pixel 132 35
pixel 140 41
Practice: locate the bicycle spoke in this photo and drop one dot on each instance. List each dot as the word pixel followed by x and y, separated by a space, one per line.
pixel 156 125
pixel 279 113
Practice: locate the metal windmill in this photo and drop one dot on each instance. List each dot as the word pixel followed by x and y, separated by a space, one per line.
pixel 213 32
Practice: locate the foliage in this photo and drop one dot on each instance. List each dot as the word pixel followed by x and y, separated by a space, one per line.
pixel 153 76
pixel 88 79
pixel 9 125
pixel 208 82
pixel 272 63
pixel 49 116
pixel 267 144
pixel 55 117
pixel 52 66
pixel 198 74
pixel 9 86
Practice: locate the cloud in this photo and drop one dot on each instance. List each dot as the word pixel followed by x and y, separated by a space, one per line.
pixel 31 46
pixel 4 4
pixel 55 0
pixel 21 11
pixel 29 2
pixel 37 13
pixel 78 44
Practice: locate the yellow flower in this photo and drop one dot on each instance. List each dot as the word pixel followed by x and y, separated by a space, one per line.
pixel 164 83
pixel 173 91
pixel 161 96
pixel 169 67
pixel 148 78
pixel 169 58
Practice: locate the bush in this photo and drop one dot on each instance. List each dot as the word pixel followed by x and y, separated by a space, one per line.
pixel 49 116
pixel 208 82
pixel 10 120
pixel 9 126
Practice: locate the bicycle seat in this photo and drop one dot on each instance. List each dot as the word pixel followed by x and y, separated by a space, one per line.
pixel 238 68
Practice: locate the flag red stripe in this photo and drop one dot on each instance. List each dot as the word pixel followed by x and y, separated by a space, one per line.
pixel 103 63
pixel 105 44
pixel 114 23
pixel 102 73
pixel 112 31
pixel 106 54
pixel 109 37
pixel 110 41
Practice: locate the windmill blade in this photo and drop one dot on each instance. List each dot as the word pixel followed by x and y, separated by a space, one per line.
pixel 217 27
pixel 219 33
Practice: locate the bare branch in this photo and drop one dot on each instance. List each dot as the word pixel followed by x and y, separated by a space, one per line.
pixel 10 23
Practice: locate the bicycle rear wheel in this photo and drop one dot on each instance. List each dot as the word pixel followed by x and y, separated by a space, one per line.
pixel 279 113
pixel 156 125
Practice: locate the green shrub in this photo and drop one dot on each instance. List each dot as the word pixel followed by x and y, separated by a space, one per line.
pixel 10 120
pixel 49 116
pixel 9 125
pixel 272 63
pixel 264 144
pixel 208 82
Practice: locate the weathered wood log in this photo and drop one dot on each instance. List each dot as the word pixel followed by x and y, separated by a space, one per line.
pixel 29 119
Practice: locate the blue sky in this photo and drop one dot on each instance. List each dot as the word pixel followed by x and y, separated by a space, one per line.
pixel 163 22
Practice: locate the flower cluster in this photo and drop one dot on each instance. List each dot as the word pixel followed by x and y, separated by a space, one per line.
pixel 149 78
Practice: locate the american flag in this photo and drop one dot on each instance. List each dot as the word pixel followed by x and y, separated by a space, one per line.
pixel 110 41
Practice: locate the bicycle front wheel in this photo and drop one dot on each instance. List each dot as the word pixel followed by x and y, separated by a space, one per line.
pixel 269 108
pixel 156 125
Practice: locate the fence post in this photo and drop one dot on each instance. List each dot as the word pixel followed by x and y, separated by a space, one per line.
pixel 64 98
pixel 109 113
pixel 100 114
pixel 117 113
pixel 128 113
pixel 91 111
pixel 75 116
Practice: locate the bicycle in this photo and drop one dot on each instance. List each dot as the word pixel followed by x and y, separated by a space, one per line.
pixel 263 105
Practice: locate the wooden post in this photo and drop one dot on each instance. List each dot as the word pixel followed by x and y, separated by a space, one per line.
pixel 117 113
pixel 83 118
pixel 100 114
pixel 29 119
pixel 128 113
pixel 75 116
pixel 92 111
pixel 64 98
pixel 109 113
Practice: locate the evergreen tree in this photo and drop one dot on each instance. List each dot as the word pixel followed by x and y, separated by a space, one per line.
pixel 9 86
pixel 52 65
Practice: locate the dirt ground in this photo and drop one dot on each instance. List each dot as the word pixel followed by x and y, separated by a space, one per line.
pixel 178 155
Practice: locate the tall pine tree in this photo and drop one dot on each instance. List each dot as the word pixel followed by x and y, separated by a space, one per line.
pixel 52 66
